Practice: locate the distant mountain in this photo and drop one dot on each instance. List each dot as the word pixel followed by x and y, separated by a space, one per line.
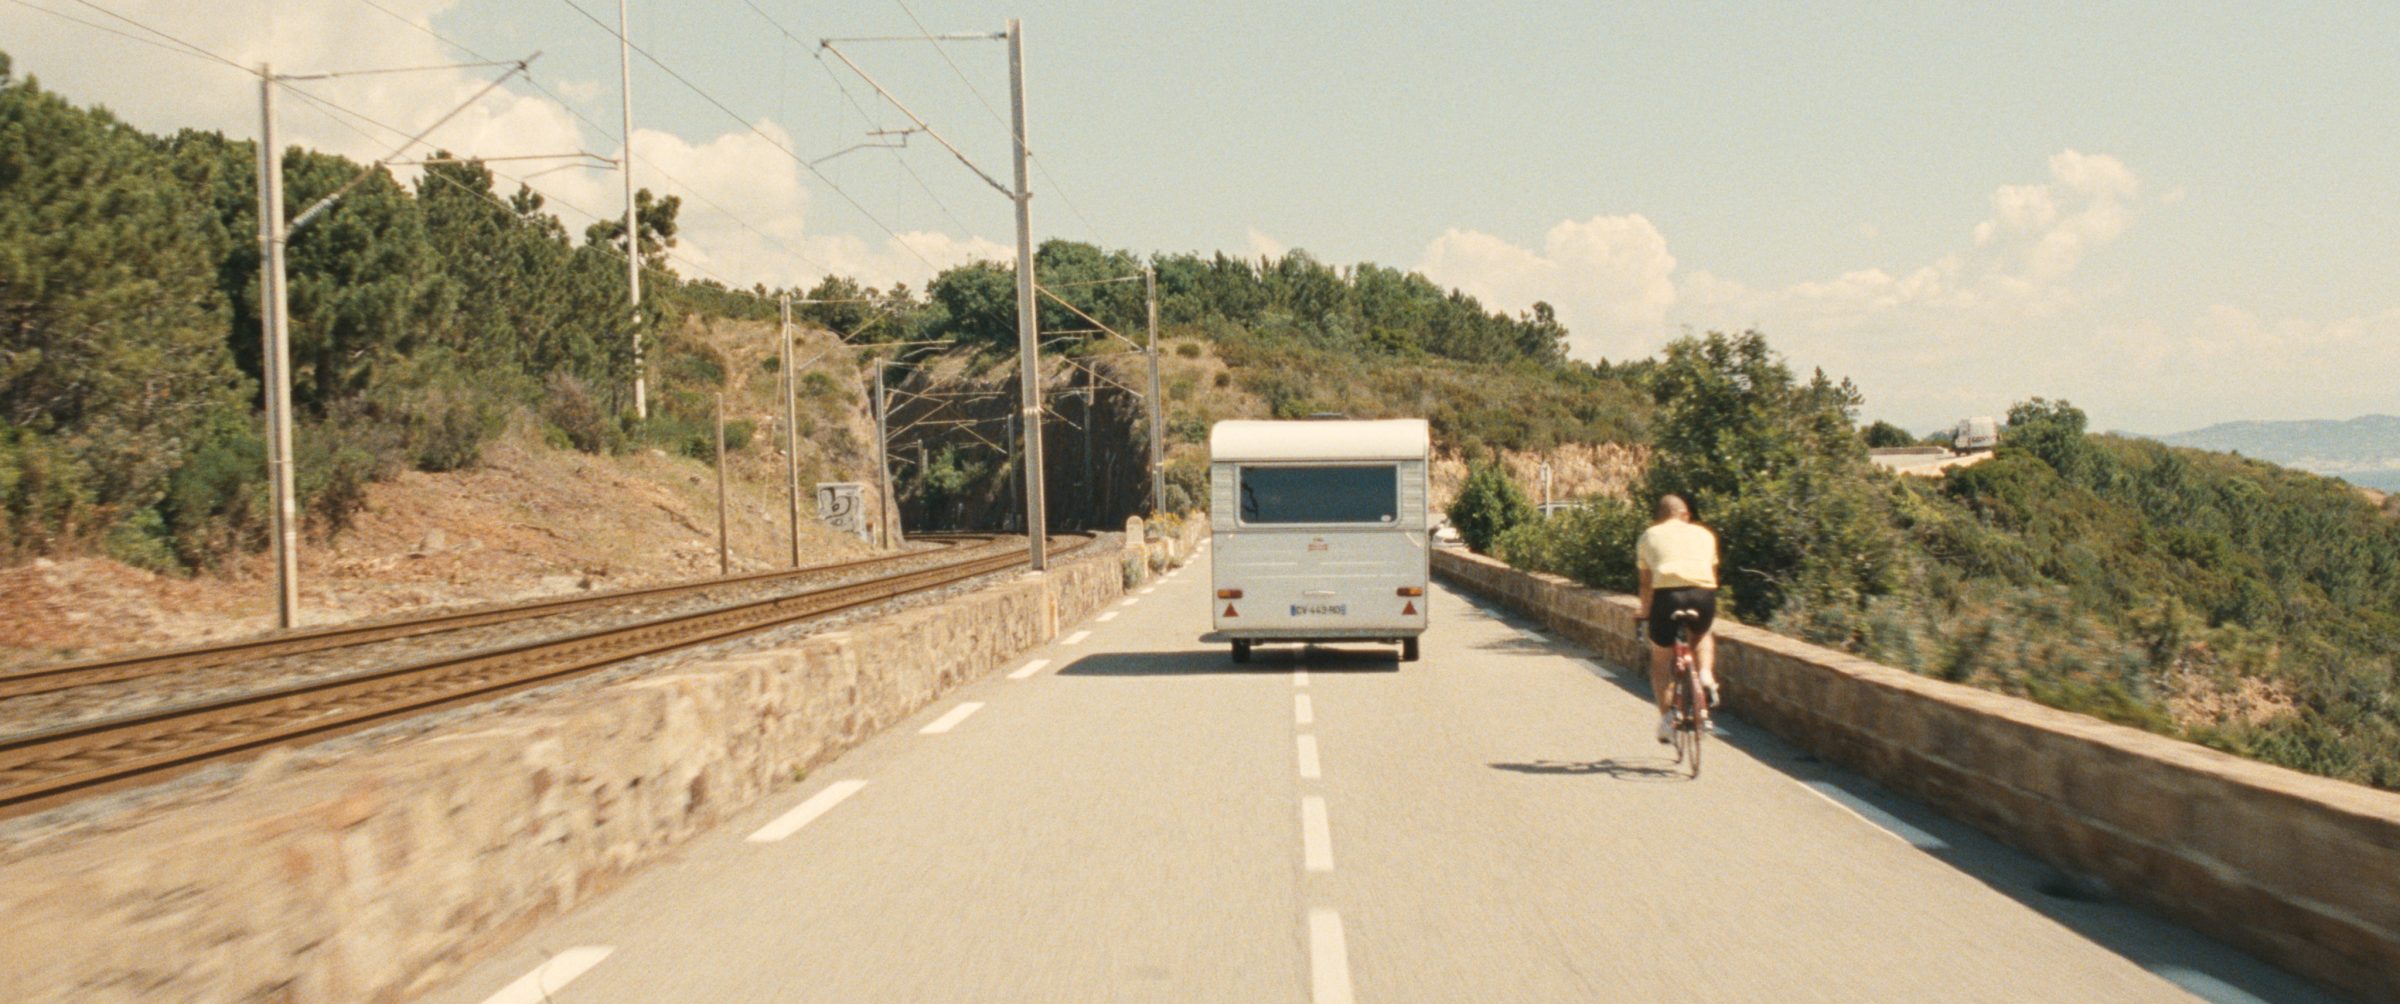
pixel 2363 451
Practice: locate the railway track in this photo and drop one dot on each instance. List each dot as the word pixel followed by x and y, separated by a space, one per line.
pixel 135 666
pixel 42 769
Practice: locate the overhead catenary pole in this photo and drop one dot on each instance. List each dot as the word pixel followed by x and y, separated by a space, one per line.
pixel 887 509
pixel 1158 448
pixel 791 429
pixel 633 238
pixel 274 324
pixel 724 551
pixel 1037 521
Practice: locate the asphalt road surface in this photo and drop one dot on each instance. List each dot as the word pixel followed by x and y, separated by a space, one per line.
pixel 1127 815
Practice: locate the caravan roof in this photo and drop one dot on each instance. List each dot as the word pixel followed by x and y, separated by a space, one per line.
pixel 1385 439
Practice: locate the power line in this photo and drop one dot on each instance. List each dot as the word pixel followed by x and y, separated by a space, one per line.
pixel 869 119
pixel 1038 164
pixel 687 187
pixel 178 49
pixel 171 38
pixel 330 108
pixel 760 133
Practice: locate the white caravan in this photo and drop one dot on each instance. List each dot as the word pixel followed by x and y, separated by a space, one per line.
pixel 1319 531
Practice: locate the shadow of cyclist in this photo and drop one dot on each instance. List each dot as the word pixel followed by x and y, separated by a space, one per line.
pixel 1639 769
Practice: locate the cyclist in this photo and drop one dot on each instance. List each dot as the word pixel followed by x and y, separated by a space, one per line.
pixel 1678 562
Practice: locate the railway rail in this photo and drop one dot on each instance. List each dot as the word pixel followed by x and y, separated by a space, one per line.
pixel 43 769
pixel 139 665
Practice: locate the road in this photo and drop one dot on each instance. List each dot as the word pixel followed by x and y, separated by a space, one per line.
pixel 1132 817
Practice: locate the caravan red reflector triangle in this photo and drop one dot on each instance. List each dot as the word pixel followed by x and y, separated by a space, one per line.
pixel 1411 608
pixel 1229 611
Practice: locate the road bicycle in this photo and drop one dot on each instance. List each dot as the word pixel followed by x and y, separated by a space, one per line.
pixel 1685 699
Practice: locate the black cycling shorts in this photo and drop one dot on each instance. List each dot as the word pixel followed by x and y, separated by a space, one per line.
pixel 1664 603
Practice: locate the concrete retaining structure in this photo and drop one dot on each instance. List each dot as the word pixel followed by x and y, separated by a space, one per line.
pixel 2301 870
pixel 378 873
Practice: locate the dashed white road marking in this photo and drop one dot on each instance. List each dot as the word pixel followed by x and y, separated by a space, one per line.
pixel 1299 677
pixel 1601 668
pixel 806 812
pixel 951 720
pixel 1106 617
pixel 1304 712
pixel 1309 768
pixel 1076 638
pixel 1029 669
pixel 1328 959
pixel 1147 590
pixel 554 972
pixel 1316 835
pixel 1130 600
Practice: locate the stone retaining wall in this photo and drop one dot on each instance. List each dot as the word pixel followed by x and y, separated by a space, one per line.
pixel 2302 870
pixel 378 873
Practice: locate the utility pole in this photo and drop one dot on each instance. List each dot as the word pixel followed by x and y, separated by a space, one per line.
pixel 276 364
pixel 633 233
pixel 724 551
pixel 791 429
pixel 887 509
pixel 1037 520
pixel 1158 444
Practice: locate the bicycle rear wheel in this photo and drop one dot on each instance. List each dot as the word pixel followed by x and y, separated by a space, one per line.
pixel 1694 726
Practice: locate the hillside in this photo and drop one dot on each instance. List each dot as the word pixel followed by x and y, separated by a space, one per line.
pixel 2216 598
pixel 2363 451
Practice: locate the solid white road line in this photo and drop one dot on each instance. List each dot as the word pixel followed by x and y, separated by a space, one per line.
pixel 1868 813
pixel 1309 768
pixel 1106 617
pixel 1029 669
pixel 1299 677
pixel 1076 638
pixel 1328 959
pixel 1303 711
pixel 806 812
pixel 1316 835
pixel 951 720
pixel 555 972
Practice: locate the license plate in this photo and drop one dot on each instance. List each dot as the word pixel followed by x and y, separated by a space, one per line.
pixel 1321 609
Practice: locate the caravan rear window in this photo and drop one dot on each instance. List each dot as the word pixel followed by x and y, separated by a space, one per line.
pixel 1320 494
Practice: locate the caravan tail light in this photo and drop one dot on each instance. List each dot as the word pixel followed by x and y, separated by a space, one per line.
pixel 1229 594
pixel 1412 590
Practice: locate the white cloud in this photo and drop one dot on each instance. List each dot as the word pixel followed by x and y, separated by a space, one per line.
pixel 1609 277
pixel 1263 246
pixel 737 168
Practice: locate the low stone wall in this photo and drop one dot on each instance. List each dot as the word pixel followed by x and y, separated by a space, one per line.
pixel 2301 870
pixel 378 873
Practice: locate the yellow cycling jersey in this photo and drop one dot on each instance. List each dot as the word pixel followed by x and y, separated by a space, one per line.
pixel 1679 554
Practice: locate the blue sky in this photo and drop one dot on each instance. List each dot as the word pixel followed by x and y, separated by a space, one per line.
pixel 2172 214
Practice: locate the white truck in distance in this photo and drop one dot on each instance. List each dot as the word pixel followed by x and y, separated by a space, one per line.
pixel 1975 435
pixel 1320 532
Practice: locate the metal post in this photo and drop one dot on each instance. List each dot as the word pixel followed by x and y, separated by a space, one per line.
pixel 276 366
pixel 1037 520
pixel 791 429
pixel 724 552
pixel 1158 444
pixel 887 508
pixel 633 233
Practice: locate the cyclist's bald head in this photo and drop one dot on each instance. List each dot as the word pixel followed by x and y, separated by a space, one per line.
pixel 1673 507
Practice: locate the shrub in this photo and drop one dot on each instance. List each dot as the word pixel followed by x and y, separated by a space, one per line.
pixel 1188 350
pixel 738 434
pixel 569 408
pixel 1487 506
pixel 1592 544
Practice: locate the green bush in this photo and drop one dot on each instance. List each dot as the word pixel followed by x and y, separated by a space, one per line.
pixel 1592 544
pixel 738 434
pixel 1488 505
pixel 568 407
